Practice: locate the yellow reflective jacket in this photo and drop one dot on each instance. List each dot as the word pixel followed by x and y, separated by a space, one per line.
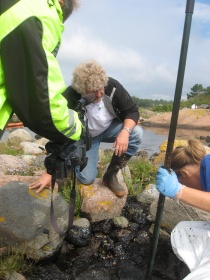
pixel 31 83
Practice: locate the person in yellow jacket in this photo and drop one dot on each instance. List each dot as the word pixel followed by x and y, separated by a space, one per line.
pixel 31 83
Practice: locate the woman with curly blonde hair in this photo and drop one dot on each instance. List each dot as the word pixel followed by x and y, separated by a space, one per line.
pixel 112 118
pixel 89 77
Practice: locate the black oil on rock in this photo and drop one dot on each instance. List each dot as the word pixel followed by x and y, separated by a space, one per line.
pixel 107 252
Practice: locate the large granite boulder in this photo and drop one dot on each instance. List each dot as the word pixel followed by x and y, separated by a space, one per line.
pixel 25 220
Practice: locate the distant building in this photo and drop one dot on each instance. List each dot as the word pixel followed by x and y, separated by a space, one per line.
pixel 194 106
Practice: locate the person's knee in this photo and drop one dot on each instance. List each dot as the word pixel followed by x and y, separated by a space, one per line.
pixel 86 179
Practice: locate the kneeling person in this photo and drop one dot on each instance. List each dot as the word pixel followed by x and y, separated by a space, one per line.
pixel 112 118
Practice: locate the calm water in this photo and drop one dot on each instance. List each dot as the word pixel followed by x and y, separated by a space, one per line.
pixel 150 142
pixel 153 137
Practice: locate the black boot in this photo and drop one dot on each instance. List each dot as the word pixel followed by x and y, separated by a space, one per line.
pixel 110 177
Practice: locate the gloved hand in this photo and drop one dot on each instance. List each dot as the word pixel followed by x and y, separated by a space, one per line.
pixel 167 183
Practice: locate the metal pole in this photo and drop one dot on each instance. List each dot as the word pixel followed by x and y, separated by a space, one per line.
pixel 172 129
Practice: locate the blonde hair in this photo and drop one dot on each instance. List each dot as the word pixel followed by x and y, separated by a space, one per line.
pixel 89 77
pixel 191 154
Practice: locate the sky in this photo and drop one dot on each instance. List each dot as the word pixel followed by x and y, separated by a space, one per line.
pixel 138 42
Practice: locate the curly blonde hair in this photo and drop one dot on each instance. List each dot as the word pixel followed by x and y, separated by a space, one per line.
pixel 191 154
pixel 89 77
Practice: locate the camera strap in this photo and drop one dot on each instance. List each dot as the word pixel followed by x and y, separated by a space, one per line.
pixel 71 206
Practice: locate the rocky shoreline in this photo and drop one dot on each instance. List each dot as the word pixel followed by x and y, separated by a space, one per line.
pixel 107 249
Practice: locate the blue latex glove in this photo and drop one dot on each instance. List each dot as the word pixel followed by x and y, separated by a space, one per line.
pixel 167 183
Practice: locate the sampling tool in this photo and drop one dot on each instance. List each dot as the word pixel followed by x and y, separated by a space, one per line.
pixel 172 129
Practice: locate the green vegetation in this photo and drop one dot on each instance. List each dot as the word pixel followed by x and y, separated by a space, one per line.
pixel 198 99
pixel 163 108
pixel 198 95
pixel 11 260
pixel 7 149
pixel 142 173
pixel 149 103
pixel 65 192
pixel 198 89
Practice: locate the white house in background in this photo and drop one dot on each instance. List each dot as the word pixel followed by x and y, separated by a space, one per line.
pixel 194 106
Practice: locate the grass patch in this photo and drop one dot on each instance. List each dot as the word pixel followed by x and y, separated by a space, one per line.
pixel 65 191
pixel 143 172
pixel 11 260
pixel 6 149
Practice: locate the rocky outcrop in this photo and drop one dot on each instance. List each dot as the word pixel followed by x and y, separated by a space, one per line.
pixel 188 118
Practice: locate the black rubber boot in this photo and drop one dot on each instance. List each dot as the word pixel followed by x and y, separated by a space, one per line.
pixel 110 177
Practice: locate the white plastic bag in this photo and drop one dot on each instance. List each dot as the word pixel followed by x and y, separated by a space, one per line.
pixel 190 241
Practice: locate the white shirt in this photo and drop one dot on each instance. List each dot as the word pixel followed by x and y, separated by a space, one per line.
pixel 99 118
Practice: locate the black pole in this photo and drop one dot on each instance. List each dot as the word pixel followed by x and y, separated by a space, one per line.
pixel 172 129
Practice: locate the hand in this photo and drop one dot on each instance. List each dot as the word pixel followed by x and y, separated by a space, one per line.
pixel 43 182
pixel 167 183
pixel 121 143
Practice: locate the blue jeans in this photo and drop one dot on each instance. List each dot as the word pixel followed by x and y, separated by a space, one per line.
pixel 89 173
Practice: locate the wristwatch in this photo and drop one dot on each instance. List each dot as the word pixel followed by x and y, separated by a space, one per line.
pixel 128 129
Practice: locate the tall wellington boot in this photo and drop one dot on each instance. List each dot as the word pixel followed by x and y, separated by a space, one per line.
pixel 110 177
